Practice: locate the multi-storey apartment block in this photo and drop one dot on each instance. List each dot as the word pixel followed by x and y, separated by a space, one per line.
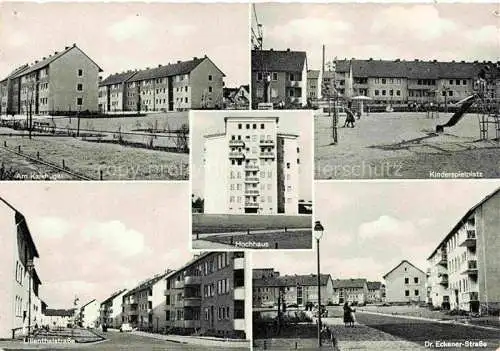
pixel 376 292
pixel 207 296
pixel 144 306
pixel 279 77
pixel 184 85
pixel 64 81
pixel 111 310
pixel 260 168
pixel 350 290
pixel 403 82
pixel 405 283
pixel 464 267
pixel 270 288
pixel 20 305
pixel 89 314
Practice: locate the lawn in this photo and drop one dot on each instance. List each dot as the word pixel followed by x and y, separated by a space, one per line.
pixel 276 240
pixel 220 223
pixel 403 145
pixel 115 161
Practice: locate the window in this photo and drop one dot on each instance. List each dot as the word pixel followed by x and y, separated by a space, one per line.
pixel 186 100
pixel 416 292
pixel 415 280
pixel 80 72
pixel 288 165
pixel 254 126
pixel 209 89
pixel 210 77
pixel 383 92
pixel 79 101
pixel 275 76
pixel 407 280
pixel 398 92
pixel 259 75
pixel 451 81
pixel 407 292
pixel 376 92
pixel 247 126
pixel 239 125
pixel 464 82
pixel 383 80
pixel 290 93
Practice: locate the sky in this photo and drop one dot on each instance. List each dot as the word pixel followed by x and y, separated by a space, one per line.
pixel 445 32
pixel 96 238
pixel 293 122
pixel 371 226
pixel 123 36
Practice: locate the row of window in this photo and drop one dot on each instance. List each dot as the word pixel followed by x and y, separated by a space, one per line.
pixel 223 313
pixel 415 280
pixel 18 306
pixel 274 76
pixel 416 293
pixel 384 92
pixel 19 272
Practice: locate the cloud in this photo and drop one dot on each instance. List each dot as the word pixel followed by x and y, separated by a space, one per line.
pixel 485 35
pixel 386 227
pixel 51 227
pixel 132 26
pixel 116 237
pixel 181 30
pixel 16 39
pixel 421 22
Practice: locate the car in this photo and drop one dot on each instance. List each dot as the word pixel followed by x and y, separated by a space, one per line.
pixel 125 327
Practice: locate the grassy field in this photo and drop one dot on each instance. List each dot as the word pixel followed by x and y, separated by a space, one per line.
pixel 115 161
pixel 403 145
pixel 220 223
pixel 277 240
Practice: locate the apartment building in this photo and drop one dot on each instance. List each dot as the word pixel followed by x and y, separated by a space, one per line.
pixel 54 318
pixel 463 269
pixel 279 77
pixel 180 86
pixel 207 296
pixel 270 289
pixel 404 82
pixel 405 283
pixel 19 290
pixel 251 168
pixel 237 98
pixel 314 81
pixel 111 310
pixel 376 292
pixel 88 316
pixel 350 290
pixel 63 82
pixel 144 306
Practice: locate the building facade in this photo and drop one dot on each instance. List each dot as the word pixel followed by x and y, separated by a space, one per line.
pixel 350 290
pixel 279 77
pixel 405 283
pixel 251 168
pixel 89 314
pixel 290 290
pixel 58 318
pixel 180 86
pixel 463 269
pixel 20 283
pixel 376 292
pixel 207 296
pixel 400 82
pixel 64 82
pixel 111 310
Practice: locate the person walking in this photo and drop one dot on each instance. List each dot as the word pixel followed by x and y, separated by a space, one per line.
pixel 347 314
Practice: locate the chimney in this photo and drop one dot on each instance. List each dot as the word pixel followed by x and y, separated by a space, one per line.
pixel 74 44
pixel 147 67
pixel 55 52
pixel 416 60
pixel 36 61
pixel 205 56
pixel 288 50
pixel 434 60
pixel 370 59
pixel 195 58
pixel 179 61
pixel 271 49
pixel 66 47
pixel 159 65
pixel 44 58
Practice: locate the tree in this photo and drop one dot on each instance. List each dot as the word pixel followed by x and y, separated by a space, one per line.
pixel 182 140
pixel 197 204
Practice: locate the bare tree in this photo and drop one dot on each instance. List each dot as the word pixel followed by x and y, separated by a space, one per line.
pixel 182 142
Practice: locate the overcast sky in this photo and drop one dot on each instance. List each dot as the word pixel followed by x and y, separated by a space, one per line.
pixel 371 226
pixel 383 31
pixel 124 36
pixel 293 122
pixel 94 239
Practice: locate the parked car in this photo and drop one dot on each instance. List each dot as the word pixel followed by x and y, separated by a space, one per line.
pixel 125 327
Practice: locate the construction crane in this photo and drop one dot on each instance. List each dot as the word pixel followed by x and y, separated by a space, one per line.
pixel 257 35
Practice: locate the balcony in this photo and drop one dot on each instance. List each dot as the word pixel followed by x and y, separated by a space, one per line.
pixel 166 292
pixel 239 263
pixel 179 284
pixel 251 167
pixel 294 83
pixel 236 154
pixel 251 204
pixel 239 324
pixel 236 143
pixel 179 303
pixel 192 301
pixel 266 154
pixel 443 260
pixel 473 296
pixel 469 240
pixel 267 142
pixel 252 192
pixel 239 293
pixel 471 268
pixel 252 179
pixel 192 280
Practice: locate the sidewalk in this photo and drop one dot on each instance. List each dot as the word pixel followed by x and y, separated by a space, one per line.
pixel 362 337
pixel 290 344
pixel 198 340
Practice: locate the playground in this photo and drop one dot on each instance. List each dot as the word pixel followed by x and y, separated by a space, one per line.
pixel 406 145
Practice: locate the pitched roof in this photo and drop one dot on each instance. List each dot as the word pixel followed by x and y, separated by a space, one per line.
pixel 148 283
pixel 313 74
pixel 117 78
pixel 16 71
pixel 109 299
pixel 463 219
pixel 278 61
pixel 88 303
pixel 403 261
pixel 59 312
pixel 374 285
pixel 292 280
pixel 171 69
pixel 48 60
pixel 349 283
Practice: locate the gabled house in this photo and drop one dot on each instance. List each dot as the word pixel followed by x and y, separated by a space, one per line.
pixel 405 283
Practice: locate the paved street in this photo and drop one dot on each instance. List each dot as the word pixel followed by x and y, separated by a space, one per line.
pixel 420 331
pixel 115 341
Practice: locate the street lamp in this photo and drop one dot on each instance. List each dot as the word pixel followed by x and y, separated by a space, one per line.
pixel 318 233
pixel 30 267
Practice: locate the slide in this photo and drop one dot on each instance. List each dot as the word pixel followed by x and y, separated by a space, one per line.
pixel 457 116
